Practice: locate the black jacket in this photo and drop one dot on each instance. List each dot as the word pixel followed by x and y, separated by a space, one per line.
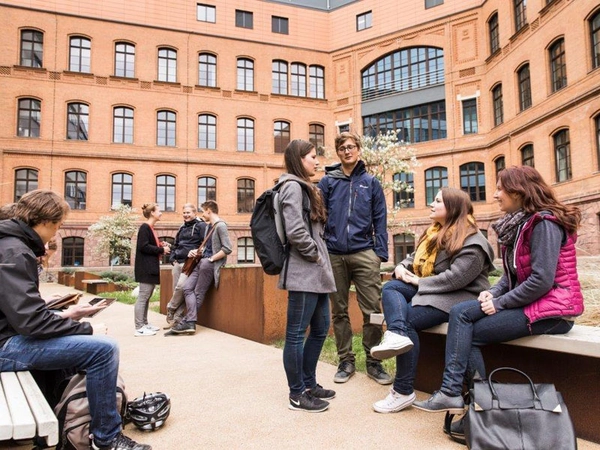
pixel 147 254
pixel 189 237
pixel 22 309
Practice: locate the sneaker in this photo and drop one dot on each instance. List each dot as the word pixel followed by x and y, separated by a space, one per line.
pixel 184 328
pixel 392 344
pixel 440 402
pixel 144 332
pixel 151 327
pixel 345 370
pixel 394 402
pixel 121 442
pixel 320 392
pixel 375 372
pixel 307 402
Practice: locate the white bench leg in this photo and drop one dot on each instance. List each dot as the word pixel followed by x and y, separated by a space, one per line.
pixel 47 423
pixel 22 419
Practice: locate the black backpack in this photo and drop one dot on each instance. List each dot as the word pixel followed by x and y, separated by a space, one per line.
pixel 268 229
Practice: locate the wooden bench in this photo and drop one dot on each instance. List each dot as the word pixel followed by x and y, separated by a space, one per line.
pixel 97 286
pixel 24 411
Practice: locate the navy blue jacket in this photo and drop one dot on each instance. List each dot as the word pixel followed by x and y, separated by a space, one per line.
pixel 356 212
pixel 189 237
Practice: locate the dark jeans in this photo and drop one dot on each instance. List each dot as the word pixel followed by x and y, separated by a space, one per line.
pixel 195 288
pixel 469 329
pixel 97 355
pixel 395 298
pixel 300 356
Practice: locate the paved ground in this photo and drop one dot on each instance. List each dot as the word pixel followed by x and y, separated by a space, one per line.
pixel 231 393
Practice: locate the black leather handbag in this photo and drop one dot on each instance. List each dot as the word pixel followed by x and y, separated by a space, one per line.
pixel 517 416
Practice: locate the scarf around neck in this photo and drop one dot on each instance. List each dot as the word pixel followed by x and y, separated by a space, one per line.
pixel 424 260
pixel 506 227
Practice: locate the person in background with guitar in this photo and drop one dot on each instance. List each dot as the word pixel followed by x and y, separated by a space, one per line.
pixel 210 257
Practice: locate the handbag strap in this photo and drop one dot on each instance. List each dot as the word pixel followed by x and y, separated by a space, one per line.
pixel 536 398
pixel 210 232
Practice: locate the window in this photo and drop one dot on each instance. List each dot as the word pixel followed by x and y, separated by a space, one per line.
pixel 124 60
pixel 245 135
pixel 206 13
pixel 316 136
pixel 279 78
pixel 245 247
pixel 243 19
pixel 524 87
pixel 121 190
pixel 500 164
pixel 405 198
pixel 403 71
pixel 469 116
pixel 298 79
pixel 317 81
pixel 404 245
pixel 597 120
pixel 32 48
pixel 562 152
pixel 80 53
pixel 76 189
pixel 167 65
pixel 498 106
pixel 72 251
pixel 520 14
pixel 364 21
pixel 77 121
pixel 279 25
pixel 494 34
pixel 207 70
pixel 165 192
pixel 281 131
pixel 527 155
pixel 595 36
pixel 122 125
pixel 26 180
pixel 418 123
pixel 245 195
pixel 472 180
pixel 207 131
pixel 558 65
pixel 207 189
pixel 245 74
pixel 164 259
pixel 166 124
pixel 435 179
pixel 431 4
pixel 30 116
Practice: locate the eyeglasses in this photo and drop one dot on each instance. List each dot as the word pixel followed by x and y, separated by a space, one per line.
pixel 349 147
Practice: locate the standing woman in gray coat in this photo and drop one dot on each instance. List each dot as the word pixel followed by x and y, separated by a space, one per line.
pixel 308 279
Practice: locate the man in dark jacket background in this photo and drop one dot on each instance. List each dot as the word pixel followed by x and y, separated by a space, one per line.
pixel 189 237
pixel 357 241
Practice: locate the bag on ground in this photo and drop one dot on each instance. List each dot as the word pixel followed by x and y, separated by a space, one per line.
pixel 517 416
pixel 73 413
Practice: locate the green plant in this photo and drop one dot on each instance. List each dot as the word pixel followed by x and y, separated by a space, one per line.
pixel 68 270
pixel 113 234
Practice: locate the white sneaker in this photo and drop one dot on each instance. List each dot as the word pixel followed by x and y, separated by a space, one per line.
pixel 151 327
pixel 144 332
pixel 392 344
pixel 394 402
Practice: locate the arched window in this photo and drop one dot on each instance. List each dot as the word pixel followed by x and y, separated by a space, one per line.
pixel 76 189
pixel 316 136
pixel 279 78
pixel 245 248
pixel 207 189
pixel 245 134
pixel 80 54
pixel 498 105
pixel 494 33
pixel 167 65
pixel 524 79
pixel 121 189
pixel 123 125
pixel 317 81
pixel 245 195
pixel 558 65
pixel 166 128
pixel 207 131
pixel 298 79
pixel 26 180
pixel 165 192
pixel 597 126
pixel 207 70
pixel 527 156
pixel 78 117
pixel 404 245
pixel 281 132
pixel 405 198
pixel 124 60
pixel 245 74
pixel 595 39
pixel 435 179
pixel 30 117
pixel 72 251
pixel 500 164
pixel 562 154
pixel 32 48
pixel 520 14
pixel 472 180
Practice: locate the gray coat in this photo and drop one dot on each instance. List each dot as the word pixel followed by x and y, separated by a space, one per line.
pixel 456 279
pixel 309 268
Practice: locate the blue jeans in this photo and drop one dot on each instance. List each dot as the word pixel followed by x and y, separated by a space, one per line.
pixel 470 328
pixel 97 355
pixel 395 298
pixel 300 357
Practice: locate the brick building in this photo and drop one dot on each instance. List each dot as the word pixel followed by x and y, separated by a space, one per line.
pixel 185 100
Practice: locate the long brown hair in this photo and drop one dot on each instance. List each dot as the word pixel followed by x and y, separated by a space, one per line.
pixel 459 223
pixel 536 195
pixel 294 152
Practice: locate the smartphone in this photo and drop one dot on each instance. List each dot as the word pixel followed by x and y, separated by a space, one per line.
pixel 94 301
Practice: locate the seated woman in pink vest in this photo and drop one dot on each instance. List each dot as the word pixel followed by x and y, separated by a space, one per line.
pixel 539 292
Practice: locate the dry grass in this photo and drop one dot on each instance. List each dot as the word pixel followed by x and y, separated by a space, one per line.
pixel 589 276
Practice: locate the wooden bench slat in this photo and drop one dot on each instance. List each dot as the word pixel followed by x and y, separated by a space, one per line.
pixel 22 418
pixel 47 423
pixel 6 426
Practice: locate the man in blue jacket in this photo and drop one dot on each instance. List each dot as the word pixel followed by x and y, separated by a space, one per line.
pixel 357 241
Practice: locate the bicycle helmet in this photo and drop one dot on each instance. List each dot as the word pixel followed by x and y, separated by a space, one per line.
pixel 149 411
